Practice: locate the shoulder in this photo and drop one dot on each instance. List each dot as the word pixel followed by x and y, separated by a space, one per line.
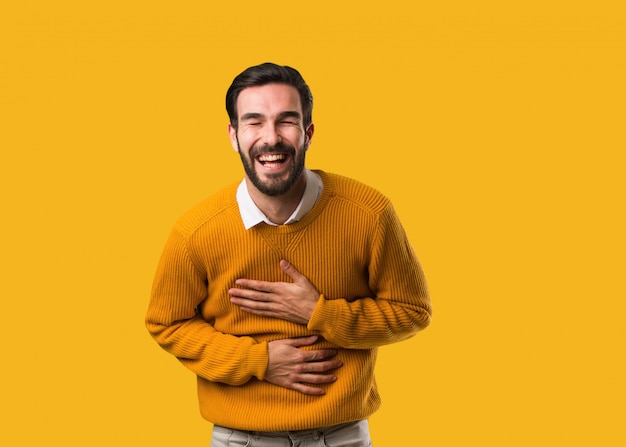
pixel 351 191
pixel 221 203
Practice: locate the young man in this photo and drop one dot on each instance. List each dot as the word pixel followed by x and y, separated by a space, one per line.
pixel 277 292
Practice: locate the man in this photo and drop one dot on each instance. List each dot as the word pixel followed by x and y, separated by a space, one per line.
pixel 277 292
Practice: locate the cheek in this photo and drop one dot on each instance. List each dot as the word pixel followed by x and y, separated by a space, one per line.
pixel 247 139
pixel 296 138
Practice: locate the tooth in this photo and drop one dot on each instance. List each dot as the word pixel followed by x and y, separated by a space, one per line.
pixel 271 157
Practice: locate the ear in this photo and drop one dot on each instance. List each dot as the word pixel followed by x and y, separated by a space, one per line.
pixel 232 133
pixel 308 135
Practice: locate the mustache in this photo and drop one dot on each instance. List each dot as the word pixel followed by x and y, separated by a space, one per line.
pixel 278 148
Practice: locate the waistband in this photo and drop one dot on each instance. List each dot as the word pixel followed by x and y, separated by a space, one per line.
pixel 315 434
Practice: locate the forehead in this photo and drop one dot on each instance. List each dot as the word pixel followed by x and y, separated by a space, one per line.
pixel 268 99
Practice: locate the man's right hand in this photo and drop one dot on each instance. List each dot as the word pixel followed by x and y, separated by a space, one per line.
pixel 297 369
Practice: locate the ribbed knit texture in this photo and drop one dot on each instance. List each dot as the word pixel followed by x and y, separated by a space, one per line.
pixel 351 246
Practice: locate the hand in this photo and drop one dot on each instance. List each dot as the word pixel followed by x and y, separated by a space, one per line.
pixel 294 368
pixel 288 301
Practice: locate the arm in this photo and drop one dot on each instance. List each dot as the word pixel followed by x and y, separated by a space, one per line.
pixel 399 308
pixel 179 286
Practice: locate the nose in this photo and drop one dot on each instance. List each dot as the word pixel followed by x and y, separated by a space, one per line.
pixel 271 136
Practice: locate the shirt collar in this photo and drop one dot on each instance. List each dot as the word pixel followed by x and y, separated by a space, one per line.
pixel 251 215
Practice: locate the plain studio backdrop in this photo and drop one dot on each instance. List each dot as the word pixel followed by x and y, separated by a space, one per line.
pixel 496 128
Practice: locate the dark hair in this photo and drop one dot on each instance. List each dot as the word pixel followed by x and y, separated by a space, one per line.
pixel 269 73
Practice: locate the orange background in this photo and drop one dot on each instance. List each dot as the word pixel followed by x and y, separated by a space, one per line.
pixel 497 129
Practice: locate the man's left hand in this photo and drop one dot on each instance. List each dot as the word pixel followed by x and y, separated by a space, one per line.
pixel 287 301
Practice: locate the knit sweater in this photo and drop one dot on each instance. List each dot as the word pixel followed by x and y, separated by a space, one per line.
pixel 353 249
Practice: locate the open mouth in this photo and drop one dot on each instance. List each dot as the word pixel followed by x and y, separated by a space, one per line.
pixel 272 160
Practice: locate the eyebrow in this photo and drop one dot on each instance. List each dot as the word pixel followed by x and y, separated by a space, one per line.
pixel 251 116
pixel 285 114
pixel 290 114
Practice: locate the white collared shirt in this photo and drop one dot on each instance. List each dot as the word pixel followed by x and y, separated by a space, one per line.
pixel 252 215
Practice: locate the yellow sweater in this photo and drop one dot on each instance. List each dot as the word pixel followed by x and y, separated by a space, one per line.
pixel 351 246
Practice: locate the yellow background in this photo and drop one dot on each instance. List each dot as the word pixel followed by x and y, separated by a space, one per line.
pixel 497 128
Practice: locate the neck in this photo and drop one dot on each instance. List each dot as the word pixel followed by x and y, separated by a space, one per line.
pixel 278 208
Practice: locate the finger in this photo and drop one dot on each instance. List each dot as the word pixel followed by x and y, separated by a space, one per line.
pixel 318 355
pixel 316 379
pixel 251 303
pixel 247 294
pixel 261 286
pixel 290 270
pixel 319 367
pixel 304 382
pixel 305 389
pixel 261 313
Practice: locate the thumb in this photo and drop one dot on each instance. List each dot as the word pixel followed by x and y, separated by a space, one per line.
pixel 290 270
pixel 302 341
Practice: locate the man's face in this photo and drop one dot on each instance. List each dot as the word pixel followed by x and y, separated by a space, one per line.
pixel 271 138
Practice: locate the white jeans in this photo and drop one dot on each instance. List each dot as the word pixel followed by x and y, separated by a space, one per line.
pixel 352 434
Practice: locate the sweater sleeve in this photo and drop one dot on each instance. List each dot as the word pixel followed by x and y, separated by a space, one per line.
pixel 179 286
pixel 400 306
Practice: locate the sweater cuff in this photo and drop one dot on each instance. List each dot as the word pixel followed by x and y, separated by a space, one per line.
pixel 257 360
pixel 323 318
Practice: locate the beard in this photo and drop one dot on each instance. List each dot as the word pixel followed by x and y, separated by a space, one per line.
pixel 274 187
